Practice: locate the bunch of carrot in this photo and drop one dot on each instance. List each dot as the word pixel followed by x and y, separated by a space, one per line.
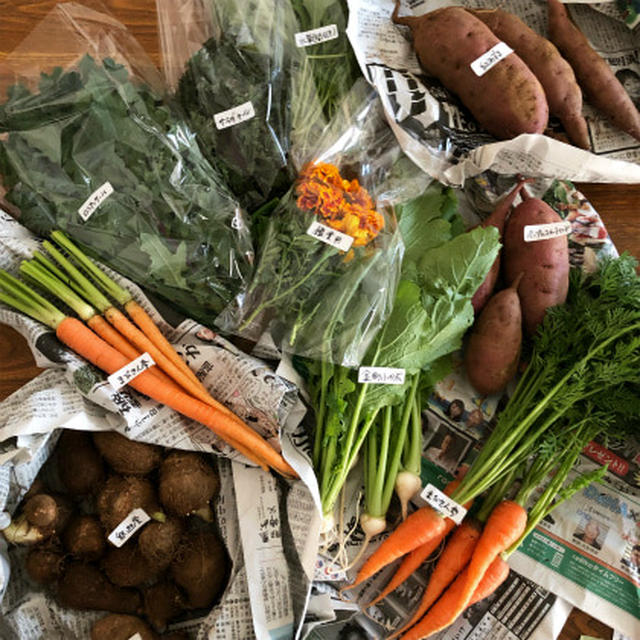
pixel 110 340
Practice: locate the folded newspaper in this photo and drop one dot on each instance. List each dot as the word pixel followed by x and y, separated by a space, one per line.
pixel 441 137
pixel 270 527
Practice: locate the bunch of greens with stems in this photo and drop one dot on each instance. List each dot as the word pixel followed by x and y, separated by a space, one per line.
pixel 171 224
pixel 585 359
pixel 441 270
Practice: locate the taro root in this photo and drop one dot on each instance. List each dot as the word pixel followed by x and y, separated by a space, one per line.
pixel 127 456
pixel 79 464
pixel 200 567
pixel 43 565
pixel 127 567
pixel 162 603
pixel 122 494
pixel 47 512
pixel 120 627
pixel 158 541
pixel 84 586
pixel 187 482
pixel 84 537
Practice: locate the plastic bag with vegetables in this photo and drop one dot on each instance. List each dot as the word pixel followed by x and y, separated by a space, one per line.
pixel 89 146
pixel 330 259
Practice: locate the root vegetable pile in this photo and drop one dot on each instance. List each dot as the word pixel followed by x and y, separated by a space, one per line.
pixel 172 566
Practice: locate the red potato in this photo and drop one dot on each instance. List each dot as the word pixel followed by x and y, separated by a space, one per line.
pixel 543 58
pixel 544 263
pixel 507 100
pixel 595 77
pixel 493 349
pixel 497 219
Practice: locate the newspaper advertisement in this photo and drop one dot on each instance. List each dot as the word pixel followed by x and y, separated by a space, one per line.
pixel 442 137
pixel 585 554
pixel 270 581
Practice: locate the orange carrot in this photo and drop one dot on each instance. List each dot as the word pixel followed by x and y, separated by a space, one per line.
pixel 454 559
pixel 416 557
pixel 495 575
pixel 141 342
pixel 419 528
pixel 505 525
pixel 83 341
pixel 439 615
pixel 149 328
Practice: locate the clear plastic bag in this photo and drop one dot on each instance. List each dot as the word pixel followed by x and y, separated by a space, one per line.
pixel 88 145
pixel 236 71
pixel 331 255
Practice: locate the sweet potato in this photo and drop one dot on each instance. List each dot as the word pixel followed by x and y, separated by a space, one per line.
pixel 493 349
pixel 601 87
pixel 543 58
pixel 496 219
pixel 506 100
pixel 544 263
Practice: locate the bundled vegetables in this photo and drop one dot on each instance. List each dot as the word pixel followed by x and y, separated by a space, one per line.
pixel 432 310
pixel 109 349
pixel 582 382
pixel 160 569
pixel 328 264
pixel 93 150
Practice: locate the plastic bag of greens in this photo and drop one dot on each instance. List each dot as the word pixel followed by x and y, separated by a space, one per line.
pixel 88 145
pixel 235 70
pixel 328 266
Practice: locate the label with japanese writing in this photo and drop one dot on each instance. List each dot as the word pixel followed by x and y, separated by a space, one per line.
pixel 132 523
pixel 316 36
pixel 330 236
pixel 124 376
pixel 489 59
pixel 136 636
pixel 381 375
pixel 91 204
pixel 443 504
pixel 236 115
pixel 536 232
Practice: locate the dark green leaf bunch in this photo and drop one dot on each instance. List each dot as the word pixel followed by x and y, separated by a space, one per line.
pixel 171 224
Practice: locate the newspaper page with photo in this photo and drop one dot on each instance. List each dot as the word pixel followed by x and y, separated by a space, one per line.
pixel 442 137
pixel 270 581
pixel 584 555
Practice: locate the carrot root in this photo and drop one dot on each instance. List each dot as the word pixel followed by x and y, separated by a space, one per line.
pixel 88 345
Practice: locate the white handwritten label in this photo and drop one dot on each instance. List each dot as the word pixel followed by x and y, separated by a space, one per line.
pixel 536 232
pixel 481 65
pixel 236 115
pixel 330 236
pixel 132 523
pixel 124 376
pixel 91 204
pixel 381 375
pixel 316 36
pixel 443 504
pixel 136 636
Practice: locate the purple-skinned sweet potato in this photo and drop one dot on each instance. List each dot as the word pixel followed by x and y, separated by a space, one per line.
pixel 596 78
pixel 543 58
pixel 544 263
pixel 493 349
pixel 497 219
pixel 507 100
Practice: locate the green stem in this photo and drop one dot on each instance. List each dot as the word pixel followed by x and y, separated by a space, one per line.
pixel 325 377
pixel 376 504
pixel 393 468
pixel 112 288
pixel 414 457
pixel 17 295
pixel 290 290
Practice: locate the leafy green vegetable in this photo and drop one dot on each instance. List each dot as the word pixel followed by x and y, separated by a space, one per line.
pixel 431 312
pixel 171 224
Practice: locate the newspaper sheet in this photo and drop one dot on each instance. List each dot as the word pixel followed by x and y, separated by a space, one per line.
pixel 555 568
pixel 443 139
pixel 273 561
